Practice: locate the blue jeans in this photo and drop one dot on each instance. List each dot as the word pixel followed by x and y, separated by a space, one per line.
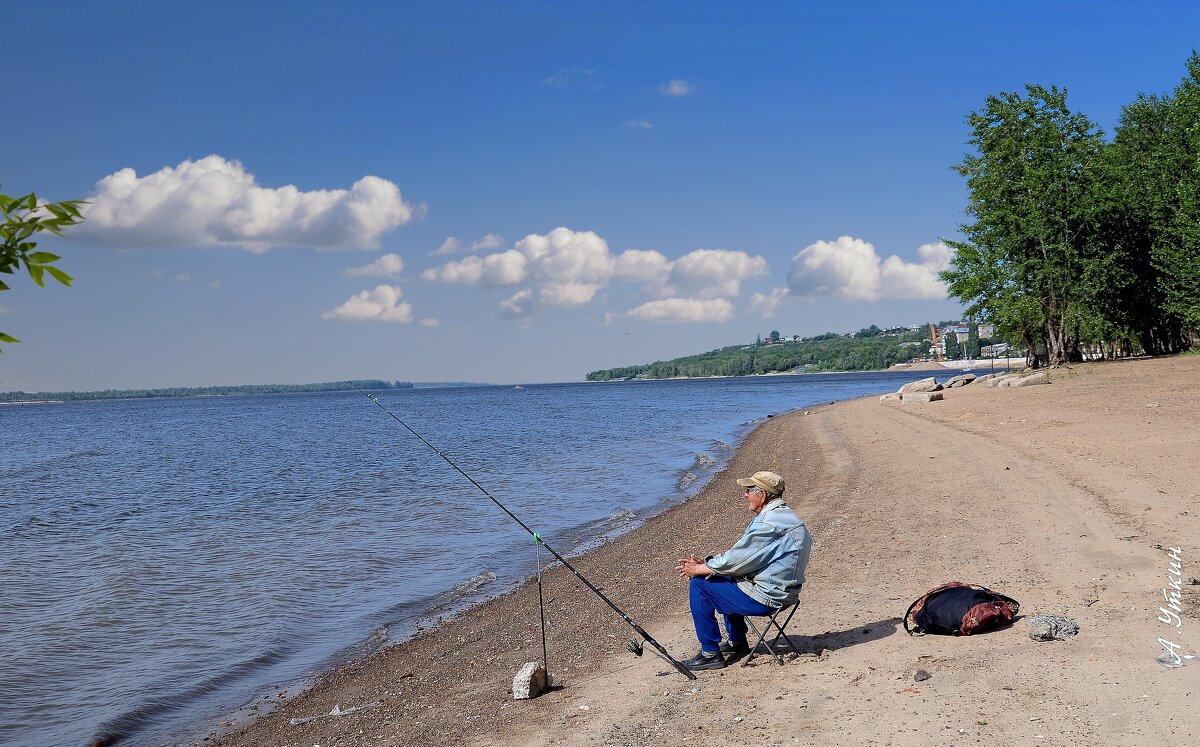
pixel 709 596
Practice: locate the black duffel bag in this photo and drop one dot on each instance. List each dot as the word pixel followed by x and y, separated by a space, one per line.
pixel 959 609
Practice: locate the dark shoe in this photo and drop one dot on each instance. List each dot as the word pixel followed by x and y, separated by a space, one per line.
pixel 705 660
pixel 735 651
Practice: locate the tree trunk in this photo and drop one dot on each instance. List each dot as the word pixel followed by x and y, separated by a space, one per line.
pixel 1031 357
pixel 1056 344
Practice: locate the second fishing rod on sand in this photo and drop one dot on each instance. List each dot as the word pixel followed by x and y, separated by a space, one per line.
pixel 634 646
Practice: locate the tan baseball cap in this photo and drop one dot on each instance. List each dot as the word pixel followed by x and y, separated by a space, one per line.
pixel 768 481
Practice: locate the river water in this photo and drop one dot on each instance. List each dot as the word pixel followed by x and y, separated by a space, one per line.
pixel 164 561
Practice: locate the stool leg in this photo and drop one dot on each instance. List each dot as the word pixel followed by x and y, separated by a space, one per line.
pixel 762 640
pixel 783 628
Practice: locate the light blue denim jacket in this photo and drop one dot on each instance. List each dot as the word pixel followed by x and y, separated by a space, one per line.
pixel 771 556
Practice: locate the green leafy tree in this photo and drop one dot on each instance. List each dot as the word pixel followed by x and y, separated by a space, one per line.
pixel 973 341
pixel 1152 213
pixel 1178 256
pixel 1030 184
pixel 953 351
pixel 774 335
pixel 23 219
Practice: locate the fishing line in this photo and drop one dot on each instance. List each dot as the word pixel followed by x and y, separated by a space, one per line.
pixel 541 543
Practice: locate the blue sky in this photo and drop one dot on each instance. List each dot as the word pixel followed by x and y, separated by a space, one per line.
pixel 625 183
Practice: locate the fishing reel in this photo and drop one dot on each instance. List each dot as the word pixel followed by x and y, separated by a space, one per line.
pixel 634 647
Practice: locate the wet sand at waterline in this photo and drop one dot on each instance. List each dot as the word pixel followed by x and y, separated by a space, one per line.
pixel 1067 497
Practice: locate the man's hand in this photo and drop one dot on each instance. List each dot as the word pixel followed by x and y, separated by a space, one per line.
pixel 691 567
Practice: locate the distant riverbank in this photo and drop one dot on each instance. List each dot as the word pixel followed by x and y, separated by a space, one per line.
pixel 19 397
pixel 966 365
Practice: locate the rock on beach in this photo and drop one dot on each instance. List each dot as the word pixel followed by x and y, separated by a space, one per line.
pixel 960 380
pixel 923 385
pixel 922 397
pixel 1005 380
pixel 1037 378
pixel 529 682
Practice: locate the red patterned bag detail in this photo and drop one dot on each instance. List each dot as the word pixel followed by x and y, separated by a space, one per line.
pixel 986 616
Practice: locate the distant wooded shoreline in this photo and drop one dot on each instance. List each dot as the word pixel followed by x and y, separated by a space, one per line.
pixel 222 391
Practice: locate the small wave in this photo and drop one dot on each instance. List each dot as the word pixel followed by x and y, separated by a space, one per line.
pixel 28 524
pixel 596 529
pixel 83 455
pixel 474 583
pixel 618 519
pixel 136 720
pixel 702 465
pixel 686 480
pixel 48 467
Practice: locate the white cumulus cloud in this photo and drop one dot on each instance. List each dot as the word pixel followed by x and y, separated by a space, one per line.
pixel 766 303
pixel 519 304
pixel 851 269
pixel 568 268
pixel 683 310
pixel 640 124
pixel 450 246
pixel 677 87
pixel 217 202
pixel 387 266
pixel 429 322
pixel 380 305
pixel 489 241
pixel 704 273
pixel 505 268
pixel 715 272
pixel 642 265
pixel 454 245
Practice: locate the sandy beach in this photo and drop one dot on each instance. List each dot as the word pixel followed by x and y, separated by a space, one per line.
pixel 1067 497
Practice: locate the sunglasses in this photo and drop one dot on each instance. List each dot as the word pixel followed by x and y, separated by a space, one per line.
pixel 748 491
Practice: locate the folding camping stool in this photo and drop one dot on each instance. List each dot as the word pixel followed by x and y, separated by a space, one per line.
pixel 773 621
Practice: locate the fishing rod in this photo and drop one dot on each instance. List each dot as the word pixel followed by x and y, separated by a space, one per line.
pixel 633 646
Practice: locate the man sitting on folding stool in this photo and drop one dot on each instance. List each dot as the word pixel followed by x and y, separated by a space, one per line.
pixel 761 574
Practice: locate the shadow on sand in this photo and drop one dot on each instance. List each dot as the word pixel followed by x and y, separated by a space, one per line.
pixel 816 645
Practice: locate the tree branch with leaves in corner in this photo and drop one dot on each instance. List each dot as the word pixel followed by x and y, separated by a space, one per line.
pixel 23 219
